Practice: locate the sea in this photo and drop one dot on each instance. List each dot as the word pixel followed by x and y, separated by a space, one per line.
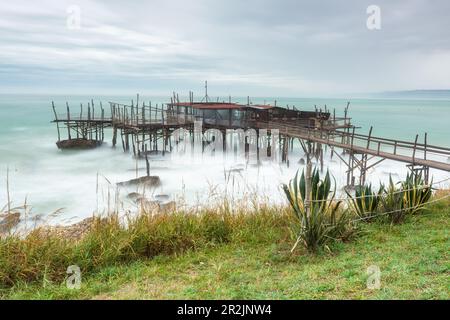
pixel 64 187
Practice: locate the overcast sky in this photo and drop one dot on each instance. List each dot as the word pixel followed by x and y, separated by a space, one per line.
pixel 261 48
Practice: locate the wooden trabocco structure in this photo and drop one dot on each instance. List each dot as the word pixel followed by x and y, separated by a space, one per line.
pixel 144 128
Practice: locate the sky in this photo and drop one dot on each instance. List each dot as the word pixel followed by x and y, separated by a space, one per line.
pixel 259 48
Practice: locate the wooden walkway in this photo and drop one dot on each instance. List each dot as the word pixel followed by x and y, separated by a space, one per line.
pixel 413 153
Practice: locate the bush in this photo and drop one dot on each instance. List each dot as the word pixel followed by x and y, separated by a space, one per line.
pixel 416 193
pixel 409 197
pixel 366 202
pixel 326 221
pixel 392 203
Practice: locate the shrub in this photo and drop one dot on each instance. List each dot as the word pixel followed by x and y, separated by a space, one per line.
pixel 416 193
pixel 325 222
pixel 366 202
pixel 392 203
pixel 409 197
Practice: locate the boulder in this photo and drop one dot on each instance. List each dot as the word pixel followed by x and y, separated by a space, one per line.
pixel 145 181
pixel 147 206
pixel 78 144
pixel 162 197
pixel 168 207
pixel 134 196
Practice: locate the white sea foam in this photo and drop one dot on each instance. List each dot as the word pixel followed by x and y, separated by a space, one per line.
pixel 81 182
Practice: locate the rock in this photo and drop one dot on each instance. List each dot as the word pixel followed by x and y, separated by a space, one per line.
pixel 235 170
pixel 147 206
pixel 301 161
pixel 9 221
pixel 133 196
pixel 73 232
pixel 146 181
pixel 156 206
pixel 162 197
pixel 168 207
pixel 78 144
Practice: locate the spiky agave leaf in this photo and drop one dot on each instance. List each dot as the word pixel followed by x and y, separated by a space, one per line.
pixel 325 221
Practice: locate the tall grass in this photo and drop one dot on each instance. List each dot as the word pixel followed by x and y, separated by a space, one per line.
pixel 43 255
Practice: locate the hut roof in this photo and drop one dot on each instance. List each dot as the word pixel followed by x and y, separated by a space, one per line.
pixel 222 105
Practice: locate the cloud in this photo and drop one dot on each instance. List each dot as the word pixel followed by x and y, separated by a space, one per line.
pixel 249 47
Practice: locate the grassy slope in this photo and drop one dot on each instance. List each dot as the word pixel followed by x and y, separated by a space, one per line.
pixel 413 258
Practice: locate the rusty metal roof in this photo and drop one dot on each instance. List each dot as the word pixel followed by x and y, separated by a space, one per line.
pixel 260 106
pixel 210 105
pixel 221 105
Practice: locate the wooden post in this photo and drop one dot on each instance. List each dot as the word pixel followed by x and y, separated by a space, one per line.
pixel 89 134
pixel 56 120
pixel 68 120
pixel 114 140
pixel 334 117
pixel 308 177
pixel 147 163
pixel 102 133
pixel 321 157
pixel 353 136
pixel 425 147
pixel 143 114
pixel 368 139
pixel 133 142
pixel 162 114
pixel 123 142
pixel 414 151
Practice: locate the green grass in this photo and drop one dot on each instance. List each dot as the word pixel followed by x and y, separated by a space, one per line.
pixel 253 261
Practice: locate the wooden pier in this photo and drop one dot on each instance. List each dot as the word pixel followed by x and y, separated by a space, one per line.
pixel 85 130
pixel 144 128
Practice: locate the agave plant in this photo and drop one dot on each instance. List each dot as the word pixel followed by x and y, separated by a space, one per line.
pixel 366 202
pixel 393 203
pixel 408 198
pixel 324 222
pixel 416 192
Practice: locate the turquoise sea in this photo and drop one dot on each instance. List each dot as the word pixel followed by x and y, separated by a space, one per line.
pixel 48 179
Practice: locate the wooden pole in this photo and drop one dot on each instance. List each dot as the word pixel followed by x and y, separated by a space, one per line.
pixel 68 121
pixel 147 163
pixel 308 177
pixel 56 119
pixel 425 146
pixel 114 140
pixel 414 150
